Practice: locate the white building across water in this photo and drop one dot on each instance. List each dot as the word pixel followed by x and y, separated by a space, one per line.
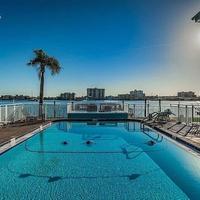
pixel 95 93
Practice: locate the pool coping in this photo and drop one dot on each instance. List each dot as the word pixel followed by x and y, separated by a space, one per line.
pixel 16 141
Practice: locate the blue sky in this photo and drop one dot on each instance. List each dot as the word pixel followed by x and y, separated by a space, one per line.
pixel 117 44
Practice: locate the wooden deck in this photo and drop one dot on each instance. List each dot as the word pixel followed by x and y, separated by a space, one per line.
pixel 16 131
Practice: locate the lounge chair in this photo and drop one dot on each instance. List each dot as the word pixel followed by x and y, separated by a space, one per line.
pixel 191 129
pixel 163 117
pixel 159 118
pixel 150 118
pixel 194 130
pixel 177 127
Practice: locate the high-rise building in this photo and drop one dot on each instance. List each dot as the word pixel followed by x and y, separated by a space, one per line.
pixel 95 93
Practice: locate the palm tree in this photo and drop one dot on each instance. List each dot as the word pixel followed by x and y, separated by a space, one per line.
pixel 41 62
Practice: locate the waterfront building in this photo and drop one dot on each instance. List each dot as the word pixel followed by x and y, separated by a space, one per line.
pixel 137 94
pixel 95 93
pixel 189 94
pixel 67 96
pixel 15 97
pixel 123 96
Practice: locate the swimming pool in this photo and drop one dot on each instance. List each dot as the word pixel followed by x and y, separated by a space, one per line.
pixel 121 161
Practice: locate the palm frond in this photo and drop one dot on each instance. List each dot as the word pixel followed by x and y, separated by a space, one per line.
pixel 53 65
pixel 34 62
pixel 42 60
pixel 40 53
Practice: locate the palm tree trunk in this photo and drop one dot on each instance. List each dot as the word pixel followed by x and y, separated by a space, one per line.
pixel 41 95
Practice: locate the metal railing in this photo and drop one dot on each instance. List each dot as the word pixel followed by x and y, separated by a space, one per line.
pixel 12 113
pixel 16 112
pixel 186 113
pixel 182 113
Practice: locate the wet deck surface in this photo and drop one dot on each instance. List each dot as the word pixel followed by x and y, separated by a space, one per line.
pixel 7 133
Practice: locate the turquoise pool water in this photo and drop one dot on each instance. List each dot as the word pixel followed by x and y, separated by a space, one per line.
pixel 120 163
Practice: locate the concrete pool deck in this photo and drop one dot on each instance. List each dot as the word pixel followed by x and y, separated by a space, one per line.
pixel 190 141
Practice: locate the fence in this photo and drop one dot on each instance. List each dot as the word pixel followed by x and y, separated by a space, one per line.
pixel 182 113
pixel 17 112
pixel 144 109
pixel 187 113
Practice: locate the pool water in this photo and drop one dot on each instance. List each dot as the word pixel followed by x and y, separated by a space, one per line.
pixel 121 161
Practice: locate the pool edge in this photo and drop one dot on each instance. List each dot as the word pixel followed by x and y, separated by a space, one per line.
pixel 9 145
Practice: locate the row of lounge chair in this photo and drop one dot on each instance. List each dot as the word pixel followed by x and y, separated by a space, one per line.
pixel 163 119
pixel 184 129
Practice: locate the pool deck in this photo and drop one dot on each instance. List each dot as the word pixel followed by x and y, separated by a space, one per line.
pixel 19 134
pixel 190 141
pixel 9 132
